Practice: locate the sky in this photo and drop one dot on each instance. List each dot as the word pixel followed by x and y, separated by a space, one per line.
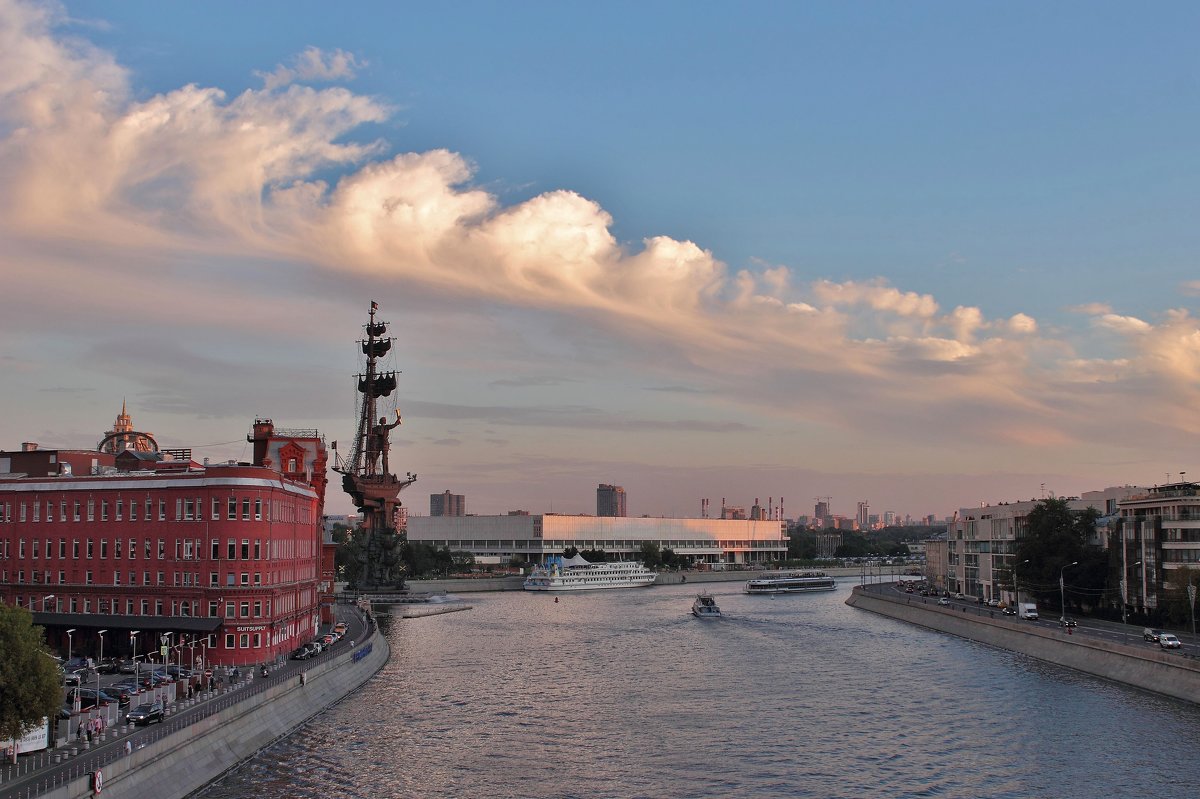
pixel 924 255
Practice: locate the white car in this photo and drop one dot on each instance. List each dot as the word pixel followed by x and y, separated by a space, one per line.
pixel 1168 641
pixel 943 601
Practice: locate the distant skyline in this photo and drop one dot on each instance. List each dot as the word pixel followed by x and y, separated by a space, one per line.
pixel 925 255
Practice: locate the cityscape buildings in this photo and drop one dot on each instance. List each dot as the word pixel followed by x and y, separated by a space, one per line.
pixel 610 500
pixel 447 504
pixel 158 550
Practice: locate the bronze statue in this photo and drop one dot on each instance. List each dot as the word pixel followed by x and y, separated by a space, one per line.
pixel 379 439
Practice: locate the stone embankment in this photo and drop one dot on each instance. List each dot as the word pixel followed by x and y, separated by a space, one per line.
pixel 1162 672
pixel 194 753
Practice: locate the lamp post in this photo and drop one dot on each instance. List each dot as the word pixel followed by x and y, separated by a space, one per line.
pixel 137 676
pixel 1125 598
pixel 1062 591
pixel 45 599
pixel 1017 591
pixel 70 638
pixel 101 634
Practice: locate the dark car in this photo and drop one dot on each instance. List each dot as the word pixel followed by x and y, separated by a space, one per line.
pixel 146 713
pixel 303 653
pixel 179 672
pixel 1151 635
pixel 154 679
pixel 127 667
pixel 1009 610
pixel 1068 622
pixel 88 698
pixel 108 666
pixel 123 693
pixel 79 677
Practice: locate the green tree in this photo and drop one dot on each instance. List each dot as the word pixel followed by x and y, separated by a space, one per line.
pixel 1175 606
pixel 461 560
pixel 1056 537
pixel 650 554
pixel 802 544
pixel 349 557
pixel 594 555
pixel 29 681
pixel 570 552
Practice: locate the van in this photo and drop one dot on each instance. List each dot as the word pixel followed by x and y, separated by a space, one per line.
pixel 1027 610
pixel 340 628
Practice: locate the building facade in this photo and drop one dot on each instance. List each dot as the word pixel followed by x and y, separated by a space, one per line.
pixel 1158 532
pixel 222 558
pixel 447 504
pixel 981 542
pixel 533 538
pixel 610 501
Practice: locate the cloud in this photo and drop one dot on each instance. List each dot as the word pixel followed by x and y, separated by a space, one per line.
pixel 1091 308
pixel 313 64
pixel 239 224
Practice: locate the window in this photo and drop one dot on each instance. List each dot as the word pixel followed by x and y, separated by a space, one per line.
pixel 62 578
pixel 216 549
pixel 216 509
pixel 116 578
pixel 229 606
pixel 158 607
pixel 257 549
pixel 75 548
pixel 119 509
pixel 90 549
pixel 74 511
pixel 128 607
pixel 230 579
pixel 187 510
pixel 148 549
pixel 212 579
pixel 21 549
pixel 145 578
pixel 133 549
pixel 117 549
pixel 213 607
pixel 258 639
pixel 162 510
pixel 231 511
pixel 89 577
pixel 245 608
pixel 232 549
pixel 162 549
pixel 245 578
pixel 245 549
pixel 229 640
pixel 187 550
pixel 133 511
pixel 145 607
pixel 103 548
pixel 245 509
pixel 258 509
pixel 258 578
pixel 178 508
pixel 104 510
pixel 161 580
pixel 37 508
pixel 62 510
pixel 91 510
pixel 258 609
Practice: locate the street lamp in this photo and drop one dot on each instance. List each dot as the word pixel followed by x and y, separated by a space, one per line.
pixel 137 676
pixel 69 639
pixel 1125 598
pixel 45 599
pixel 101 634
pixel 1017 591
pixel 1062 591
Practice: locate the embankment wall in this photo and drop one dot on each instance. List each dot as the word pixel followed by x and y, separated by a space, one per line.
pixel 1153 670
pixel 185 761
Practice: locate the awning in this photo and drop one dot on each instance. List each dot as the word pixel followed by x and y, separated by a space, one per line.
pixel 108 621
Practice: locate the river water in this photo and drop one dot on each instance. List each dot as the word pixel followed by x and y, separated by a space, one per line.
pixel 625 694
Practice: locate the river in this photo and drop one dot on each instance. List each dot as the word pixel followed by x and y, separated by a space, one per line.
pixel 624 694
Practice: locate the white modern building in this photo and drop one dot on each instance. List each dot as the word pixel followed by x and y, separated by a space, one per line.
pixel 981 545
pixel 1159 534
pixel 497 539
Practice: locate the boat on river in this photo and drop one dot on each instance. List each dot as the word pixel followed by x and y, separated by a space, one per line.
pixel 705 607
pixel 791 583
pixel 577 574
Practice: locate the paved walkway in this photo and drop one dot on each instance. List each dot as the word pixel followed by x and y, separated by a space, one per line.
pixel 40 772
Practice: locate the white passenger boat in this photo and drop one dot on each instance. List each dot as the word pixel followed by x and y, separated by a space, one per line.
pixel 791 583
pixel 705 607
pixel 577 574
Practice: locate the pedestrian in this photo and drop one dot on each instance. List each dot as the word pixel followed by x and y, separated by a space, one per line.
pixel 89 733
pixel 79 731
pixel 128 747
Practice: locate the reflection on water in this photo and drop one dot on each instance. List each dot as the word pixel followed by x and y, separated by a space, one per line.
pixel 625 694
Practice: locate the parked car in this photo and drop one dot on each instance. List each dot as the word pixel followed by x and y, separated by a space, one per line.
pixel 154 679
pixel 88 698
pixel 108 666
pixel 1151 635
pixel 1168 641
pixel 301 653
pixel 943 601
pixel 127 667
pixel 79 677
pixel 145 713
pixel 124 694
pixel 178 672
pixel 993 603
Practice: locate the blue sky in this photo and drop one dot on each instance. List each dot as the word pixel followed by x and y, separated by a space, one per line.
pixel 922 254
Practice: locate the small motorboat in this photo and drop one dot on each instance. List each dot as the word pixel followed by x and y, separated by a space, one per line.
pixel 705 607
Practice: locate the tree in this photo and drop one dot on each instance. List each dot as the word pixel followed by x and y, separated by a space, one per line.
pixel 461 560
pixel 594 555
pixel 650 555
pixel 29 680
pixel 1175 605
pixel 570 552
pixel 1056 537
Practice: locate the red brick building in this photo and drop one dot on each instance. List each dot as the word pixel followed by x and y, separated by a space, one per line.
pixel 223 559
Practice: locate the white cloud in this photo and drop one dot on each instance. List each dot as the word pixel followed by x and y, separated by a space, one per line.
pixel 313 64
